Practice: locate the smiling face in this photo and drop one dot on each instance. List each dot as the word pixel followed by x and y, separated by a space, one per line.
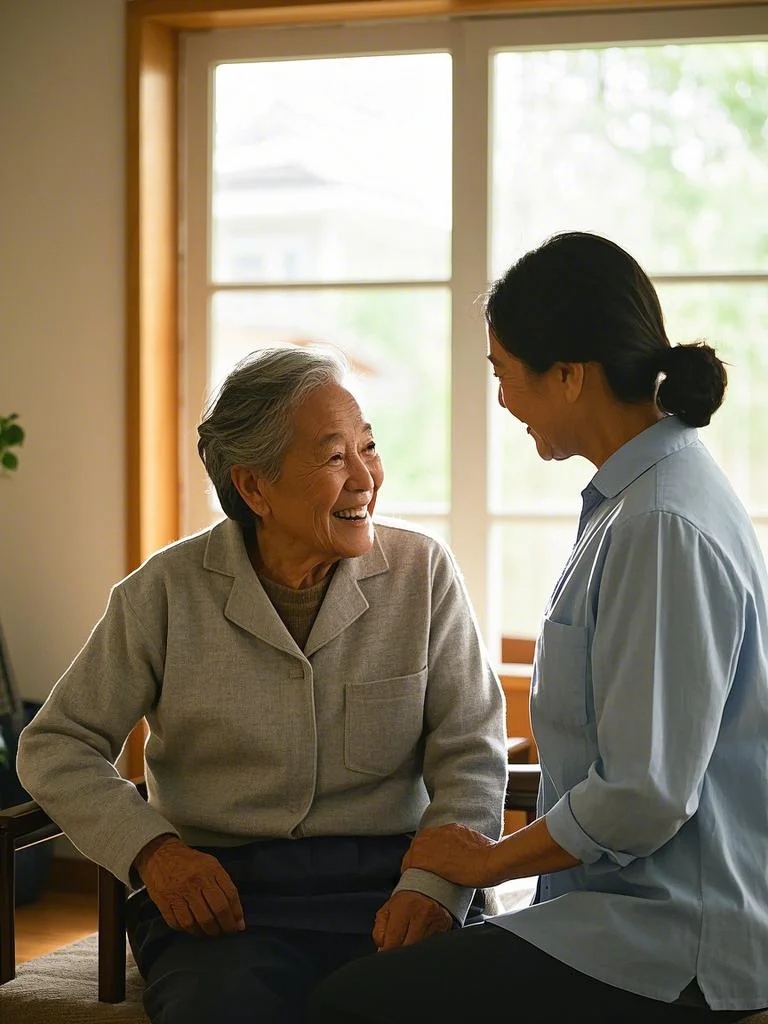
pixel 319 509
pixel 541 401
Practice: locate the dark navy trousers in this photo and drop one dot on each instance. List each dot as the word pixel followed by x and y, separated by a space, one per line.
pixel 309 907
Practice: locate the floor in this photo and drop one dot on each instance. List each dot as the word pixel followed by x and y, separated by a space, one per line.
pixel 53 920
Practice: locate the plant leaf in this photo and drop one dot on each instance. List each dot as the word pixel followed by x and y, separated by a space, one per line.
pixel 9 460
pixel 13 434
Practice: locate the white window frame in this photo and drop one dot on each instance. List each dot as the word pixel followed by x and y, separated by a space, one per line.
pixel 471 41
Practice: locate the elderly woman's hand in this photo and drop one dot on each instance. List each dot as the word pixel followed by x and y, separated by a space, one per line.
pixel 458 853
pixel 190 888
pixel 408 917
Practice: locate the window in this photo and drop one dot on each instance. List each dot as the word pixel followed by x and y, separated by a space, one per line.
pixel 361 186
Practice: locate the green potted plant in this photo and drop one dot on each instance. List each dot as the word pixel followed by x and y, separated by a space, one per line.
pixel 11 436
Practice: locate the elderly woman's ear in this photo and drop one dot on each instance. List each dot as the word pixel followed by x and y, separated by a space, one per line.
pixel 249 486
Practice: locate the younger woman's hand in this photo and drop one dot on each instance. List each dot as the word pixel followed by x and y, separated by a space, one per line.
pixel 457 853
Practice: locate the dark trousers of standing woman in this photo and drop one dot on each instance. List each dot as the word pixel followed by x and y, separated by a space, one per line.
pixel 485 971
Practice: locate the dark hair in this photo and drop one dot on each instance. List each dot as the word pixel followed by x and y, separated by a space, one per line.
pixel 581 298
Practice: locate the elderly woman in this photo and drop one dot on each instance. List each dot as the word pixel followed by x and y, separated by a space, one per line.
pixel 316 691
pixel 649 701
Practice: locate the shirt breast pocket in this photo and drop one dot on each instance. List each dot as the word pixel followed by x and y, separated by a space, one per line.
pixel 561 673
pixel 384 722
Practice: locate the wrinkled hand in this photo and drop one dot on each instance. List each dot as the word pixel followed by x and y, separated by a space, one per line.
pixel 408 917
pixel 457 853
pixel 190 888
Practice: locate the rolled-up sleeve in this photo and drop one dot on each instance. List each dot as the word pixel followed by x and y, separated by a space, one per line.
pixel 663 654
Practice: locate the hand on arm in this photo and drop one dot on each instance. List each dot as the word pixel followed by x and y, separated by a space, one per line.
pixel 469 858
pixel 191 889
pixel 408 917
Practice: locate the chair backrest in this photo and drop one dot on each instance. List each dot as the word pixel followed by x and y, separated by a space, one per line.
pixel 517 650
pixel 522 789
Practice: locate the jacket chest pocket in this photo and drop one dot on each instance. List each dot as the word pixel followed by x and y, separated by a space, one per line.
pixel 560 693
pixel 383 723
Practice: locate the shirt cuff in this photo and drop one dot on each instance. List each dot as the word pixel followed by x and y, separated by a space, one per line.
pixel 455 898
pixel 568 833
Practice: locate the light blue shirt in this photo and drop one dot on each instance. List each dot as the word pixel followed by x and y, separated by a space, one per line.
pixel 649 705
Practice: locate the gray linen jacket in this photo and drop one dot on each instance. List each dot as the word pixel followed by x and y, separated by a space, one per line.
pixel 390 720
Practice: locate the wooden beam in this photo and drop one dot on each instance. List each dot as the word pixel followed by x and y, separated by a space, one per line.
pixel 206 14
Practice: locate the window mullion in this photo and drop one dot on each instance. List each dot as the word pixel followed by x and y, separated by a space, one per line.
pixel 469 378
pixel 194 252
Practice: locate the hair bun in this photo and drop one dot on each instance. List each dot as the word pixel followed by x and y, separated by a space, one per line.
pixel 694 382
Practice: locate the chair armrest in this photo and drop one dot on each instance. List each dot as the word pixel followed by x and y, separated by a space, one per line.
pixel 518 749
pixel 21 826
pixel 27 824
pixel 522 788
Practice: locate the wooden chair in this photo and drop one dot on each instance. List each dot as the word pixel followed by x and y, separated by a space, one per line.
pixel 27 824
pixel 522 778
pixel 517 650
pixel 523 789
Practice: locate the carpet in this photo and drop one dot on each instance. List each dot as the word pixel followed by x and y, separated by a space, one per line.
pixel 62 987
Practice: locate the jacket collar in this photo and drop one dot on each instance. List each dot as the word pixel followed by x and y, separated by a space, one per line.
pixel 249 607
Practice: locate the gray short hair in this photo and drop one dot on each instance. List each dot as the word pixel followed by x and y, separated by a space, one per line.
pixel 248 421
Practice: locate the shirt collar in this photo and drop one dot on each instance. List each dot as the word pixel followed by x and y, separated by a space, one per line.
pixel 640 453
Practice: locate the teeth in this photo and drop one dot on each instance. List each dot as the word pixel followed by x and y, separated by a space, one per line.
pixel 352 513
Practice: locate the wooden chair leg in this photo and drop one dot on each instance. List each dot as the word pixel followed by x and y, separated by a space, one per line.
pixel 7 908
pixel 111 938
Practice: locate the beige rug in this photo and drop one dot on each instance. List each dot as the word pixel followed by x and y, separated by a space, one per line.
pixel 61 987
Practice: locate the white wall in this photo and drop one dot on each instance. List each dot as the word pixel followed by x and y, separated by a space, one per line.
pixel 61 325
